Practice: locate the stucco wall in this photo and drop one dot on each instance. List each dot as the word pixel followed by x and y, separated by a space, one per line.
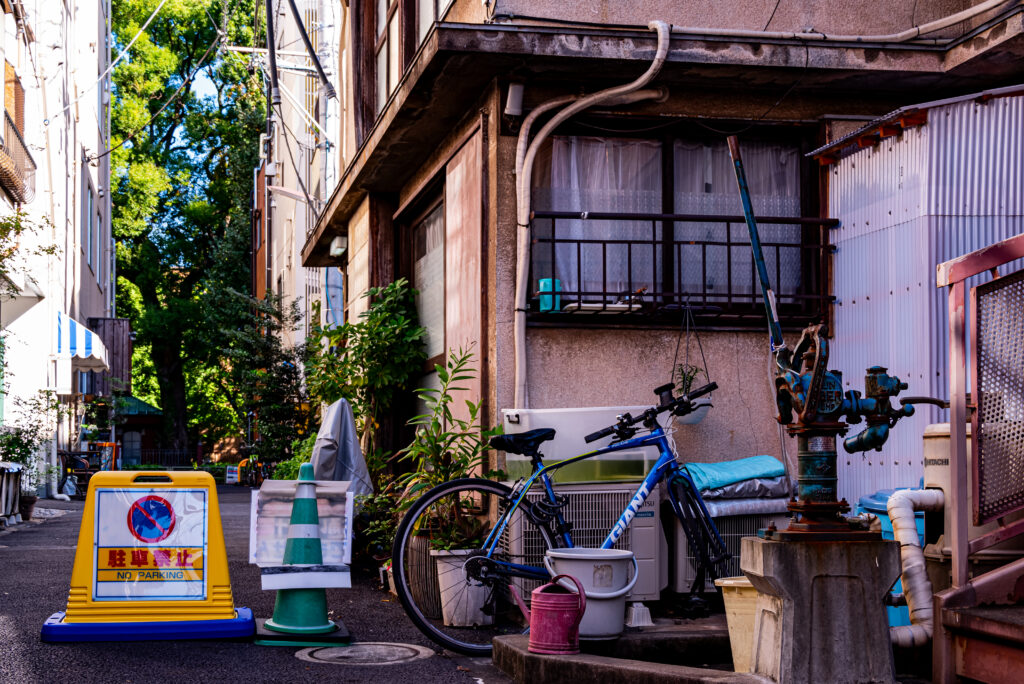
pixel 829 16
pixel 608 367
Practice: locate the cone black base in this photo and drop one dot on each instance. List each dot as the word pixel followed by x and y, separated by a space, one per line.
pixel 268 637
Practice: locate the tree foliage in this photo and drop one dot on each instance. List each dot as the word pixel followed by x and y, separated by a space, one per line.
pixel 181 186
pixel 267 377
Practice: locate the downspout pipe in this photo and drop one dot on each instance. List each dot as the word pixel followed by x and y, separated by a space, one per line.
pixel 524 171
pixel 916 587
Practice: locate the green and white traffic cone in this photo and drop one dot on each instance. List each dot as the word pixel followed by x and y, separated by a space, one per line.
pixel 302 611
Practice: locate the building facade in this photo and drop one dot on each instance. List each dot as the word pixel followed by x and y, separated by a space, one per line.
pixel 623 230
pixel 56 137
pixel 300 160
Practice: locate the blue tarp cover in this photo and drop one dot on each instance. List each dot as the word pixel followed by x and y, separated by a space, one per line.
pixel 712 475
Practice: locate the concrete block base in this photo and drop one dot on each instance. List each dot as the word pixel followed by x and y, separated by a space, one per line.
pixel 819 615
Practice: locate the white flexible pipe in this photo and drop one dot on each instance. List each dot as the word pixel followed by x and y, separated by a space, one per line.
pixel 916 587
pixel 524 172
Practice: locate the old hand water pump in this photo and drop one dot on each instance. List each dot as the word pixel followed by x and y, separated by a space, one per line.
pixel 813 407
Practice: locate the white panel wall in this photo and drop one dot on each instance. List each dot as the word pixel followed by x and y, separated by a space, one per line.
pixel 934 193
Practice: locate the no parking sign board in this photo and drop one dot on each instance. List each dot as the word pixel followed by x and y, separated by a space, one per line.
pixel 151 544
pixel 150 563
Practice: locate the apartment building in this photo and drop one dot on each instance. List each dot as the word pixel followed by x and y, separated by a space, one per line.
pixel 55 170
pixel 625 224
pixel 301 158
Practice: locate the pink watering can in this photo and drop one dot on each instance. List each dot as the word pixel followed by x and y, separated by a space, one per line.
pixel 555 619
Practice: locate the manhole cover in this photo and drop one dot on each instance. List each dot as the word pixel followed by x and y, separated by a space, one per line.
pixel 365 653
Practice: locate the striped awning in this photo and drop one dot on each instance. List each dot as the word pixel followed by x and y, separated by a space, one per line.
pixel 79 344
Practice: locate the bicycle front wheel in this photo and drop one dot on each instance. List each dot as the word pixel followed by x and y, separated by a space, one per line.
pixel 460 598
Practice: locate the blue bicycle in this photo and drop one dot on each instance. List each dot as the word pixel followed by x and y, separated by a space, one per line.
pixel 460 598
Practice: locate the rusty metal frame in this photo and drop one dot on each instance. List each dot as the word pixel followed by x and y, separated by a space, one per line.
pixel 979 516
pixel 999 584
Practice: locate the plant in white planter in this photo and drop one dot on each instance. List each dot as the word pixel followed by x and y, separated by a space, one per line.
pixel 449 446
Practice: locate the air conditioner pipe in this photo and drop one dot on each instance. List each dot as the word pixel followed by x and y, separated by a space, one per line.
pixel 525 155
pixel 916 586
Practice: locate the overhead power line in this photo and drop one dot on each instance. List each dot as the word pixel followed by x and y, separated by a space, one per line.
pixel 165 105
pixel 46 122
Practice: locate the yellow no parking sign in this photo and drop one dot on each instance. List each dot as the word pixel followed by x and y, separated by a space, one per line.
pixel 151 543
pixel 150 563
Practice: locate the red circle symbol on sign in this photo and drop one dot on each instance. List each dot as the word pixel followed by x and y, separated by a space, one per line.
pixel 151 519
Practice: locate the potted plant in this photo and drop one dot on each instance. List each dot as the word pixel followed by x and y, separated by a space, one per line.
pixel 685 376
pixel 450 444
pixel 20 444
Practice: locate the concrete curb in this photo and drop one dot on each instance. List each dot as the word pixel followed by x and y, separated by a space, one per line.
pixel 511 656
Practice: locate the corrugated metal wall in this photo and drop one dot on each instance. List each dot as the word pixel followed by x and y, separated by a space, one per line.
pixel 934 193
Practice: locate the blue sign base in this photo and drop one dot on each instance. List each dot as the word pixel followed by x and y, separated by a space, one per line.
pixel 55 630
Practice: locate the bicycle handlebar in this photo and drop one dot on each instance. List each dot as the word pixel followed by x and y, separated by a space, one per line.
pixel 680 407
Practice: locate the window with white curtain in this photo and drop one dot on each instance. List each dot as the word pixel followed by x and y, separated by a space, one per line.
pixel 602 175
pixel 705 183
pixel 607 261
pixel 428 278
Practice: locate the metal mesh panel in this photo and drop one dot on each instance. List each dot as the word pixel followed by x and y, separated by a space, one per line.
pixel 998 369
pixel 592 515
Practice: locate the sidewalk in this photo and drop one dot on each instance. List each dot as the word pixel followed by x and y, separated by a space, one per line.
pixel 35 571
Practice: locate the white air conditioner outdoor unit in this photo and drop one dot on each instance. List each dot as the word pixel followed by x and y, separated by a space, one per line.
pixel 732 528
pixel 592 510
pixel 571 425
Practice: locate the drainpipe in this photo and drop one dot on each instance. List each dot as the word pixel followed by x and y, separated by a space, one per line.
pixel 524 170
pixel 916 587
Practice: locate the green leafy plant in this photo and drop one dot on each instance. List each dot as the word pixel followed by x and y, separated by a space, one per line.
pixel 448 445
pixel 302 452
pixel 22 438
pixel 369 362
pixel 686 375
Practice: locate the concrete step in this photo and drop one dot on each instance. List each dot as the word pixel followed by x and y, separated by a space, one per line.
pixel 687 651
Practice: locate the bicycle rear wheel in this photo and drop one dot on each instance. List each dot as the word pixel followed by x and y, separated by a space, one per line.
pixel 460 599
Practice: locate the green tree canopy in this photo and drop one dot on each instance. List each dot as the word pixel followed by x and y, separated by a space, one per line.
pixel 185 127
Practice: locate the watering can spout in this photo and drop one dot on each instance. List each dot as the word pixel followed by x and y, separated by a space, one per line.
pixel 519 600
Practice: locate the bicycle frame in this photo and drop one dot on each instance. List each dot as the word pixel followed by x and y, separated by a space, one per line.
pixel 666 468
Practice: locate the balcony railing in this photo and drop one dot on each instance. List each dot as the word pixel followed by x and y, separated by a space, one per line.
pixel 17 169
pixel 651 267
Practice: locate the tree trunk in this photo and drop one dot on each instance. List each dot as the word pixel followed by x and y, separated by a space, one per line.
pixel 171 378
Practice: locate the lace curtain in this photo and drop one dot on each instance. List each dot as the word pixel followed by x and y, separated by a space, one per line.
pixel 705 183
pixel 576 173
pixel 599 175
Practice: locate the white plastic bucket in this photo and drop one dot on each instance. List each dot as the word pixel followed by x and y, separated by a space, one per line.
pixel 604 574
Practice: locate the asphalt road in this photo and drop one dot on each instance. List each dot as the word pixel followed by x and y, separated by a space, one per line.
pixel 35 573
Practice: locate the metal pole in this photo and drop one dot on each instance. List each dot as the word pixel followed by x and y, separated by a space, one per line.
pixel 328 88
pixel 774 329
pixel 275 95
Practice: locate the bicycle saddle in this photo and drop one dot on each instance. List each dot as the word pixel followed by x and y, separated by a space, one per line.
pixel 525 443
